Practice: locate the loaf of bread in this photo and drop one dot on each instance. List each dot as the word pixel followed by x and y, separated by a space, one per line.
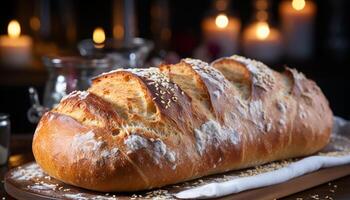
pixel 137 129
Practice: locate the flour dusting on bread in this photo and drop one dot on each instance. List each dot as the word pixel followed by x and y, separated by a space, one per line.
pixel 86 143
pixel 108 154
pixel 135 142
pixel 262 75
pixel 156 147
pixel 81 94
pixel 212 133
pixel 257 114
pixel 209 73
pixel 161 150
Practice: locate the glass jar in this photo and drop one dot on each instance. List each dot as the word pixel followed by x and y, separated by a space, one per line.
pixel 4 138
pixel 70 73
pixel 132 55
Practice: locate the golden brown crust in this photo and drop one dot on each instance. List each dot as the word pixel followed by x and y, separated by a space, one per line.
pixel 144 128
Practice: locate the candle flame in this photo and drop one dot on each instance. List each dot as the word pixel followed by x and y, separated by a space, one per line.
pixel 98 35
pixel 298 4
pixel 221 21
pixel 14 29
pixel 262 30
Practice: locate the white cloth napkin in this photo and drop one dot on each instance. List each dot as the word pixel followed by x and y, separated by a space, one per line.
pixel 295 169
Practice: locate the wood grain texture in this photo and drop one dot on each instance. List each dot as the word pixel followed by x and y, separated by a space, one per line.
pixel 20 190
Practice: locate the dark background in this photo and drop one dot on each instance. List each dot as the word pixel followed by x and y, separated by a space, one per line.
pixel 328 66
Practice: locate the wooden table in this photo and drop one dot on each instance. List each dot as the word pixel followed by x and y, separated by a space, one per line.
pixel 21 153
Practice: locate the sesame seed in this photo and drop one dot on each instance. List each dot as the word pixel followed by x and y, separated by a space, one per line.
pixel 315 196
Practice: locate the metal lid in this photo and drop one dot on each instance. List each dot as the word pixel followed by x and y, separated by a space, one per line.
pixel 4 116
pixel 77 61
pixel 88 47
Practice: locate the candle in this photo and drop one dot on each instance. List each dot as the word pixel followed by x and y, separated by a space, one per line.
pixel 129 22
pixel 120 55
pixel 99 37
pixel 224 32
pixel 118 24
pixel 297 18
pixel 15 49
pixel 262 42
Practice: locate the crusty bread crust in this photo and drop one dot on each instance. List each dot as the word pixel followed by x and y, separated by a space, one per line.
pixel 138 129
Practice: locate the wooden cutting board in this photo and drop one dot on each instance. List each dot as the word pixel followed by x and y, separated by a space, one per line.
pixel 29 182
